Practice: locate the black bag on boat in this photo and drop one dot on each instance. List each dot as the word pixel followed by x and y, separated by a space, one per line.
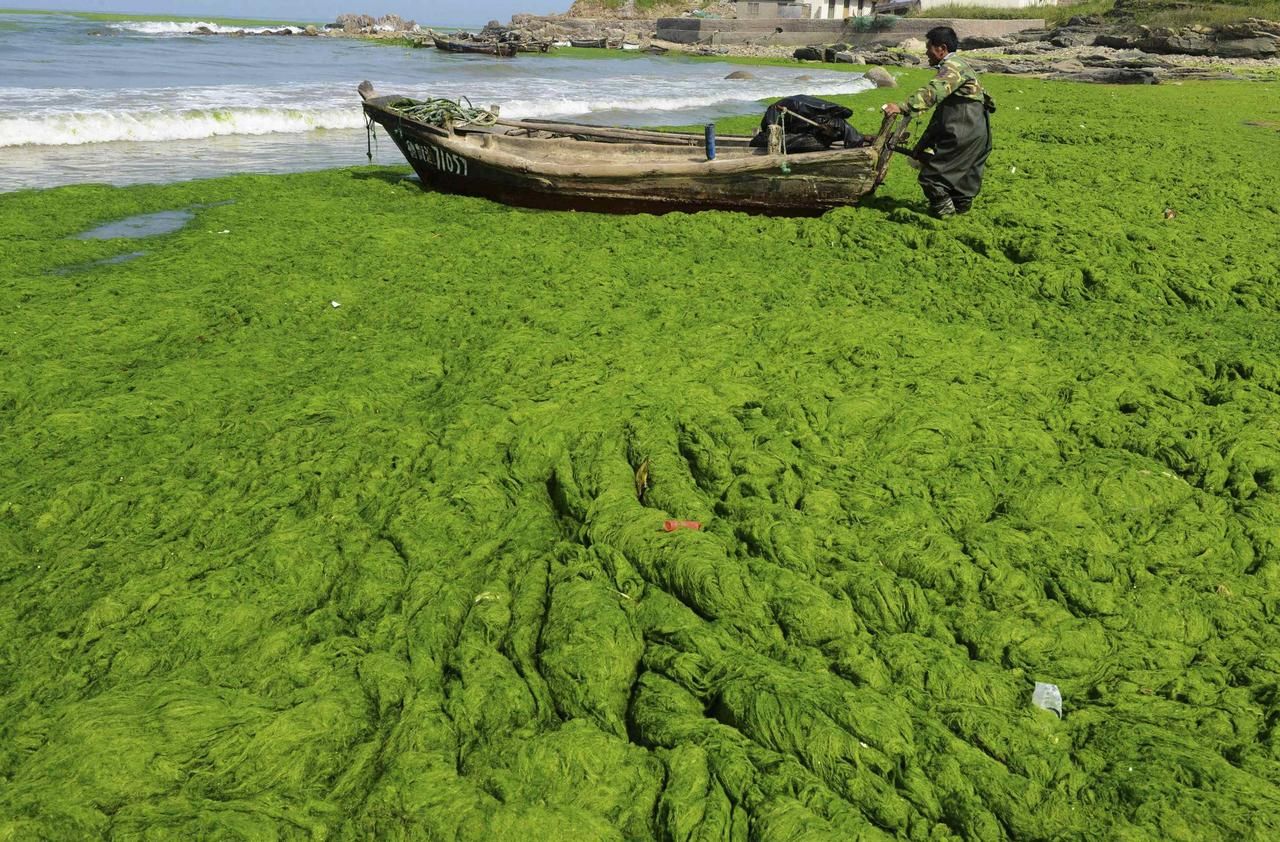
pixel 813 124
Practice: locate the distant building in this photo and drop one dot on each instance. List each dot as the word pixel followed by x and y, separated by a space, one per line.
pixel 840 9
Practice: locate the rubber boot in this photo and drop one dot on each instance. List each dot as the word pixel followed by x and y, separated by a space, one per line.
pixel 942 207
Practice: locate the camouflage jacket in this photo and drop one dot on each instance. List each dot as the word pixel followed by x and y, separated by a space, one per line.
pixel 955 76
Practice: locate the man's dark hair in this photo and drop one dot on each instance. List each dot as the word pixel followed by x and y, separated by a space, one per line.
pixel 942 36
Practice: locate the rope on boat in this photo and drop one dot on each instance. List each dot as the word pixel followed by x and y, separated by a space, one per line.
pixel 438 112
pixel 370 137
pixel 786 168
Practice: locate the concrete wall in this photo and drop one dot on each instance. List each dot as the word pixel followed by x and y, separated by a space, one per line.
pixel 926 5
pixel 799 33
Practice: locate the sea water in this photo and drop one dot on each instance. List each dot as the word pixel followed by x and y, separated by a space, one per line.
pixel 154 101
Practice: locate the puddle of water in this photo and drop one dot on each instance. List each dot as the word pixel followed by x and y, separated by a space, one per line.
pixel 94 264
pixel 145 225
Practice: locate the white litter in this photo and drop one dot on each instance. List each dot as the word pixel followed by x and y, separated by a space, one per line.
pixel 1048 697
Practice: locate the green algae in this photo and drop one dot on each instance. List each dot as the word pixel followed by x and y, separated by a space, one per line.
pixel 276 568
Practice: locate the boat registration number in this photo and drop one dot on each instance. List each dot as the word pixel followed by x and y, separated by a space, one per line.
pixel 437 158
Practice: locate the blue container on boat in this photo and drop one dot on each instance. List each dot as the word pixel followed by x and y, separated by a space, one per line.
pixel 709 132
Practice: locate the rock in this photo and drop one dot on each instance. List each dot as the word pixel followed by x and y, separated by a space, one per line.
pixel 845 57
pixel 1027 36
pixel 911 45
pixel 881 78
pixel 1065 37
pixel 807 54
pixel 741 74
pixel 1246 48
pixel 985 42
pixel 311 30
pixel 1116 41
pixel 1110 76
pixel 1183 42
pixel 203 30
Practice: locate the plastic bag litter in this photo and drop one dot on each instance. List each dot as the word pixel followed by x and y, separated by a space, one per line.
pixel 1048 697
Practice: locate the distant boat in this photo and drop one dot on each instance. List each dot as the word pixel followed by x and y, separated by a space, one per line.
pixel 533 46
pixel 589 43
pixel 507 49
pixel 550 164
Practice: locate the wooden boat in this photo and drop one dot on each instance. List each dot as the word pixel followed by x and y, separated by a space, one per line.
pixel 589 43
pixel 551 164
pixel 533 46
pixel 493 48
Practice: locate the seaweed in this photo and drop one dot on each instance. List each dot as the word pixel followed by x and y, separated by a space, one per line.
pixel 321 518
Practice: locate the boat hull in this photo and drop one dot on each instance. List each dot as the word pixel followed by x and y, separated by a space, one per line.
pixel 681 180
pixel 494 48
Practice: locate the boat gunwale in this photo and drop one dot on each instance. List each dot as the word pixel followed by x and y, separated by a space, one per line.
pixel 455 141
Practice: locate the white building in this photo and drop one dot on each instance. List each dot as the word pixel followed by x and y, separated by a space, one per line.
pixel 840 9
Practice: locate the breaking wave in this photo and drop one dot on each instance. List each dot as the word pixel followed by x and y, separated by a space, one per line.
pixel 204 113
pixel 161 27
pixel 105 127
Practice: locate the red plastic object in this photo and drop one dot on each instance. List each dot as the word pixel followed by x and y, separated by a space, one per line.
pixel 673 525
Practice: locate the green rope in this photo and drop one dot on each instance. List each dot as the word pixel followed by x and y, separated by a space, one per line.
pixel 437 112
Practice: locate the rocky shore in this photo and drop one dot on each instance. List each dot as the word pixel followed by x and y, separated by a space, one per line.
pixel 1090 49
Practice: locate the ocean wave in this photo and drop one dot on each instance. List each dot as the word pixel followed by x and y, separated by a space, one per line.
pixel 566 107
pixel 192 114
pixel 165 27
pixel 79 128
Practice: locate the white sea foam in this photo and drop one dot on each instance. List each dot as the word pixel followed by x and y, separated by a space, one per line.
pixel 104 127
pixel 165 114
pixel 546 106
pixel 164 27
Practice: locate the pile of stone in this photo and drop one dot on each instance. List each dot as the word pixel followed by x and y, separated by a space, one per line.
pixel 1091 50
pixel 369 25
pixel 559 28
pixel 1253 39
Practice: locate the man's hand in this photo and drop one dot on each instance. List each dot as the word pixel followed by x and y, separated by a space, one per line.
pixel 891 108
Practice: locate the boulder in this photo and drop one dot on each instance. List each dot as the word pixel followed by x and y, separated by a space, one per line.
pixel 1064 37
pixel 807 54
pixel 1246 48
pixel 846 57
pixel 1027 36
pixel 1176 42
pixel 1116 40
pixel 881 78
pixel 911 45
pixel 985 42
pixel 829 53
pixel 741 74
pixel 1110 76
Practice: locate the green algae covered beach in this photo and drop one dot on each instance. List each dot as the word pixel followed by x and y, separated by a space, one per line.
pixel 319 519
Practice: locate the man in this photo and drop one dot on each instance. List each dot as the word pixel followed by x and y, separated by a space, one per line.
pixel 959 131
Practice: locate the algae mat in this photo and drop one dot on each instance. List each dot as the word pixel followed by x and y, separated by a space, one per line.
pixel 319 519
